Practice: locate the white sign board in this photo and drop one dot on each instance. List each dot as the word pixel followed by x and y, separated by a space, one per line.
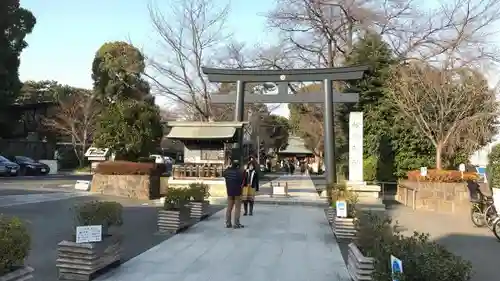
pixel 423 171
pixel 356 147
pixel 341 209
pixel 396 267
pixel 82 185
pixel 278 190
pixel 88 233
pixel 461 168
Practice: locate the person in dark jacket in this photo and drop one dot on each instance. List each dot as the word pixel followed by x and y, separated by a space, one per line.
pixel 234 182
pixel 251 185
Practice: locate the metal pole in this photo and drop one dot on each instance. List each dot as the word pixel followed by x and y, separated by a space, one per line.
pixel 331 174
pixel 258 151
pixel 239 111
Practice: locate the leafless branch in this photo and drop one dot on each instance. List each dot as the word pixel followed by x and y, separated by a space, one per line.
pixel 449 106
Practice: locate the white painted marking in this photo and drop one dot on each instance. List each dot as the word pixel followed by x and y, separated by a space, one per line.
pixel 14 200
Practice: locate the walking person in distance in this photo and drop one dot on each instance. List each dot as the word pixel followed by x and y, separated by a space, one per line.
pixel 250 186
pixel 234 181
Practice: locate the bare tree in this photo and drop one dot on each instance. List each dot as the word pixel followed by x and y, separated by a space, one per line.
pixel 76 118
pixel 451 107
pixel 321 32
pixel 190 35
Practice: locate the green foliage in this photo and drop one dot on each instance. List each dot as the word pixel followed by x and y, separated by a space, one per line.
pixel 117 70
pixel 15 24
pixel 493 169
pixel 387 137
pixel 14 243
pixel 278 129
pixel 105 213
pixel 177 198
pixel 370 168
pixel 130 128
pixel 199 191
pixel 422 258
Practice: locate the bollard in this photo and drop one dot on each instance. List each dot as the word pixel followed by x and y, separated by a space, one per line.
pixel 286 189
pixel 272 190
pixel 278 184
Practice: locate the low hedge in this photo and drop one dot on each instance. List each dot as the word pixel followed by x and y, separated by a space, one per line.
pixel 129 168
pixel 442 176
pixel 422 258
pixel 105 213
pixel 15 243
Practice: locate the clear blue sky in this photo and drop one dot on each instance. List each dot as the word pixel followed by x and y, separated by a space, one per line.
pixel 69 32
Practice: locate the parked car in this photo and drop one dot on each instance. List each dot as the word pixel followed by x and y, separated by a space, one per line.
pixel 8 168
pixel 28 166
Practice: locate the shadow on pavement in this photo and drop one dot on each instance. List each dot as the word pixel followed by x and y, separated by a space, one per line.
pixel 482 251
pixel 51 222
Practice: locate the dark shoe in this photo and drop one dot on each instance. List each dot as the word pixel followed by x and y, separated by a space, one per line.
pixel 251 214
pixel 245 214
pixel 238 225
pixel 228 225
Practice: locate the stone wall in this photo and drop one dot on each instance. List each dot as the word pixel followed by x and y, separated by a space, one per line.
pixel 143 187
pixel 434 196
pixel 216 188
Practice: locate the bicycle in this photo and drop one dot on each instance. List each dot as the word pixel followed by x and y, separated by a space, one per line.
pixel 483 212
pixel 496 227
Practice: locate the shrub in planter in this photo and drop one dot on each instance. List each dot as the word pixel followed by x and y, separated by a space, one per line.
pixel 377 239
pixel 105 213
pixel 343 227
pixel 129 168
pixel 175 215
pixel 14 247
pixel 84 261
pixel 199 204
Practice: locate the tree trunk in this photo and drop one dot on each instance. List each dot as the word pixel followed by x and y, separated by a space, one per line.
pixel 439 149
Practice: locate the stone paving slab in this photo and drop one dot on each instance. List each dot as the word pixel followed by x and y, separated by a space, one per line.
pixel 292 243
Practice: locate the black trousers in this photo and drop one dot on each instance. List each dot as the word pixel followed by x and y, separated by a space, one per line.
pixel 248 206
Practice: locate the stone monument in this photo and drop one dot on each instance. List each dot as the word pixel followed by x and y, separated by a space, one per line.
pixel 368 194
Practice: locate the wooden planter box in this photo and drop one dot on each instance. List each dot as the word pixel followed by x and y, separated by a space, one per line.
pixel 173 221
pixel 86 261
pixel 344 228
pixel 360 267
pixel 199 210
pixel 330 214
pixel 21 274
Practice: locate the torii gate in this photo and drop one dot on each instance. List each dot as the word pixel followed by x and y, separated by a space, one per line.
pixel 282 78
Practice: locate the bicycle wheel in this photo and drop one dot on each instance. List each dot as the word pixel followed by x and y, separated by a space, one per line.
pixel 489 216
pixel 496 228
pixel 477 216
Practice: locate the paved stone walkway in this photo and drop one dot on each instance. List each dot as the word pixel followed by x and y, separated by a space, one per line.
pixel 278 243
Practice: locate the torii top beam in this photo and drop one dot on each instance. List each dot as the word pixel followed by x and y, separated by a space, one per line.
pixel 285 75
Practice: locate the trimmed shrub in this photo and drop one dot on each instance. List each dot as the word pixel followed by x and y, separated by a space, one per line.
pixel 14 243
pixel 442 176
pixel 105 213
pixel 370 168
pixel 493 170
pixel 146 160
pixel 198 191
pixel 129 168
pixel 422 258
pixel 176 198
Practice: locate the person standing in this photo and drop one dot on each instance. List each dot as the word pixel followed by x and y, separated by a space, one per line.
pixel 234 182
pixel 251 185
